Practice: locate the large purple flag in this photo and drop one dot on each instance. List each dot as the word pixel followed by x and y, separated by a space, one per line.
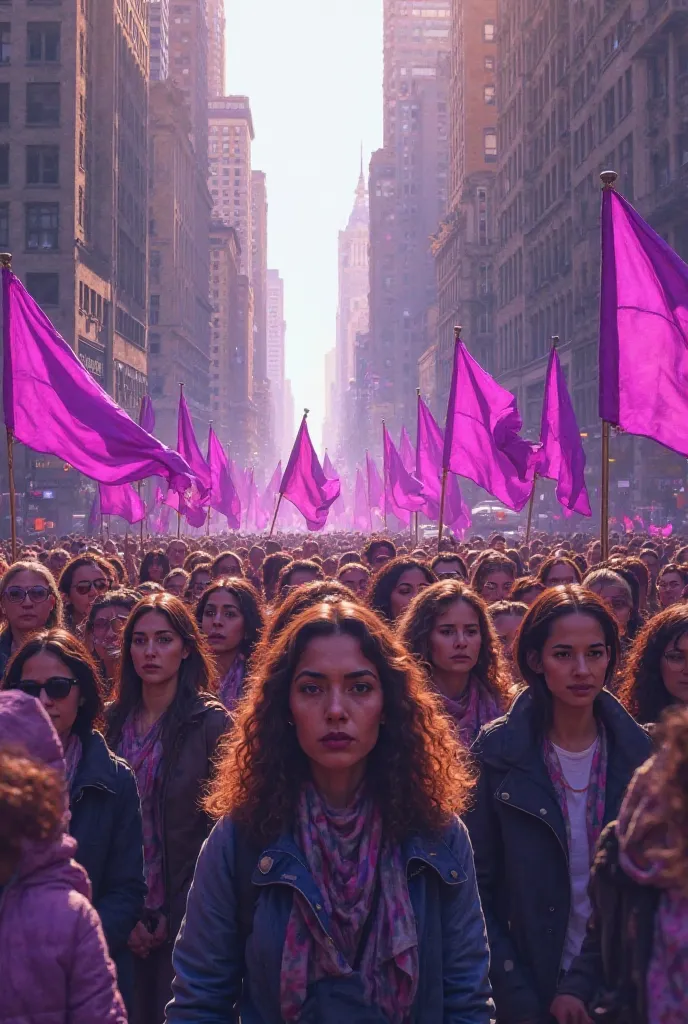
pixel 376 490
pixel 643 329
pixel 402 490
pixel 332 474
pixel 304 483
pixel 429 450
pixel 481 440
pixel 407 452
pixel 192 511
pixel 223 493
pixel 123 501
pixel 147 414
pixel 561 457
pixel 362 516
pixel 271 491
pixel 189 449
pixel 53 405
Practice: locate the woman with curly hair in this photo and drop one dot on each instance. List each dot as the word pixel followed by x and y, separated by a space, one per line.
pixel 632 967
pixel 166 725
pixel 230 614
pixel 492 576
pixel 656 674
pixel 338 883
pixel 83 579
pixel 154 567
pixel 448 630
pixel 559 571
pixel 553 772
pixel 396 584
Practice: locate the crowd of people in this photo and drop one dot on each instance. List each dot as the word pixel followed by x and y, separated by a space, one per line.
pixel 344 780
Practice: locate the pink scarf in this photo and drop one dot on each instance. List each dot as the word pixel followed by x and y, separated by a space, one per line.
pixel 72 756
pixel 597 789
pixel 474 709
pixel 144 755
pixel 345 852
pixel 232 684
pixel 667 976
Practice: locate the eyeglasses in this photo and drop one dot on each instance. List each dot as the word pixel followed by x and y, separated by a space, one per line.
pixel 116 624
pixel 673 585
pixel 17 595
pixel 675 659
pixel 85 586
pixel 453 576
pixel 57 687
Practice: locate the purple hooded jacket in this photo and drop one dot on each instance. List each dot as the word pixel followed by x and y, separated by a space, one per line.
pixel 55 964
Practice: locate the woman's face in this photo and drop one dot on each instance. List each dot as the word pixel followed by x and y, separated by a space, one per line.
pixel 88 581
pixel 176 553
pixel 506 627
pixel 674 668
pixel 45 666
pixel 409 584
pixel 356 580
pixel 223 622
pixel 336 703
pixel 27 602
pixel 496 586
pixel 560 575
pixel 228 566
pixel 455 639
pixel 108 627
pixel 670 589
pixel 200 580
pixel 156 571
pixel 574 660
pixel 618 600
pixel 176 585
pixel 157 650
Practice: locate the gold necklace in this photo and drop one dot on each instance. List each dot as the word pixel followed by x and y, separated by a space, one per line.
pixel 573 788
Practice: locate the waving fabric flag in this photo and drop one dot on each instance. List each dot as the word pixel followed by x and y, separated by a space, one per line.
pixel 53 405
pixel 223 493
pixel 628 524
pixel 376 490
pixel 407 452
pixel 402 490
pixel 429 450
pixel 304 483
pixel 189 449
pixel 191 510
pixel 643 329
pixel 332 474
pixel 481 440
pixel 123 501
pixel 147 414
pixel 362 520
pixel 561 457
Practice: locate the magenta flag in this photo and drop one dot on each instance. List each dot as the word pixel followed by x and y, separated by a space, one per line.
pixel 223 493
pixel 429 448
pixel 53 405
pixel 402 490
pixel 147 414
pixel 628 524
pixel 191 510
pixel 362 519
pixel 407 452
pixel 332 474
pixel 561 457
pixel 189 449
pixel 643 329
pixel 123 501
pixel 481 439
pixel 376 490
pixel 304 483
pixel 270 493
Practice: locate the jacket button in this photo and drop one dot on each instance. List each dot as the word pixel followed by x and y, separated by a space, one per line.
pixel 551 910
pixel 543 810
pixel 505 796
pixel 264 864
pixel 318 907
pixel 549 931
pixel 454 874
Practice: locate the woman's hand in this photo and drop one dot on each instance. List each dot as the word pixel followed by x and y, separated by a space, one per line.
pixel 160 934
pixel 140 941
pixel 569 1010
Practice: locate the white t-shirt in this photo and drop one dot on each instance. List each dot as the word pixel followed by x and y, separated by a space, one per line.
pixel 576 768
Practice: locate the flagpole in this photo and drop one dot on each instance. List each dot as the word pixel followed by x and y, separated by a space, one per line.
pixel 384 476
pixel 531 504
pixel 274 518
pixel 608 178
pixel 442 496
pixel 6 264
pixel 417 400
pixel 370 510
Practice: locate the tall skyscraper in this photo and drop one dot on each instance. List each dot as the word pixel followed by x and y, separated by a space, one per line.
pixel 215 14
pixel 259 273
pixel 189 49
pixel 231 135
pixel 224 296
pixel 159 38
pixel 276 332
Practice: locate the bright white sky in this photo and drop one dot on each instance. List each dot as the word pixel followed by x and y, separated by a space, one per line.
pixel 313 72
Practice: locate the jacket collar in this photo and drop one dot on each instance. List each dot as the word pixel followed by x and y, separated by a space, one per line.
pixel 96 767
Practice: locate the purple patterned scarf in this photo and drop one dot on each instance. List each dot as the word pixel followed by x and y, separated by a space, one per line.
pixel 474 709
pixel 144 755
pixel 72 755
pixel 232 684
pixel 597 788
pixel 636 829
pixel 345 852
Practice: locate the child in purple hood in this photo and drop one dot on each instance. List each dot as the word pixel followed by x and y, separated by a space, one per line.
pixel 55 965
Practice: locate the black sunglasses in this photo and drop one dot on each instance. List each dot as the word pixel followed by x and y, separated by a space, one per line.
pixel 85 586
pixel 36 594
pixel 57 687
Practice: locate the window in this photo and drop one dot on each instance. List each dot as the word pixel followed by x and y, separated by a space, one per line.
pixel 4 225
pixel 42 225
pixel 43 41
pixel 42 165
pixel 45 288
pixel 490 95
pixel 490 136
pixel 489 63
pixel 4 102
pixel 5 164
pixel 80 207
pixel 5 43
pixel 489 32
pixel 43 103
pixel 154 311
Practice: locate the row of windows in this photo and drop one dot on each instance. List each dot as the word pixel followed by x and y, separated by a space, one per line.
pixel 41 226
pixel 42 42
pixel 42 165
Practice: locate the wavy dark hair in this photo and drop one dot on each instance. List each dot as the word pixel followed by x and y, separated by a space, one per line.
pixel 219 559
pixel 417 773
pixel 549 564
pixel 250 605
pixel 554 604
pixel 158 555
pixel 488 562
pixel 386 578
pixel 271 568
pixel 523 585
pixel 418 622
pixel 296 602
pixel 377 542
pixel 118 565
pixel 642 689
pixel 65 646
pixel 299 565
pixel 196 673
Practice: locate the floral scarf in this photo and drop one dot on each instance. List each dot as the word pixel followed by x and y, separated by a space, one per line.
pixel 72 755
pixel 597 789
pixel 232 684
pixel 346 853
pixel 144 755
pixel 474 709
pixel 667 975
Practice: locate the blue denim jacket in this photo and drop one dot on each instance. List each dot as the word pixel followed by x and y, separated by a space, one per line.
pixel 213 973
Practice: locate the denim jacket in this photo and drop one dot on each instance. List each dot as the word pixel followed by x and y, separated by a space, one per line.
pixel 214 972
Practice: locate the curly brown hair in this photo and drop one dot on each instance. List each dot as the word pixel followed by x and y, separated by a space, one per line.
pixel 32 802
pixel 419 620
pixel 642 689
pixel 487 562
pixel 418 774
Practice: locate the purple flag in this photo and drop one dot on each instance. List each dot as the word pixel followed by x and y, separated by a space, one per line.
pixel 481 440
pixel 628 524
pixel 332 474
pixel 271 491
pixel 53 405
pixel 147 414
pixel 223 494
pixel 402 490
pixel 362 518
pixel 407 452
pixel 188 448
pixel 429 471
pixel 643 329
pixel 191 510
pixel 305 485
pixel 561 457
pixel 123 501
pixel 376 490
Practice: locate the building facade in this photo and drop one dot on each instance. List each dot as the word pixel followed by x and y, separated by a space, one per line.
pixel 230 127
pixel 159 39
pixel 275 359
pixel 259 281
pixel 224 292
pixel 215 17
